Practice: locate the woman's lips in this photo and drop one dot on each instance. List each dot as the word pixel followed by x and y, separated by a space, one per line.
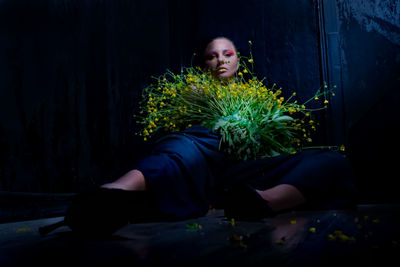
pixel 222 69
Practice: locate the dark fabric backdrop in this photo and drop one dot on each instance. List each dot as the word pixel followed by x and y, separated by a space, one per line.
pixel 71 75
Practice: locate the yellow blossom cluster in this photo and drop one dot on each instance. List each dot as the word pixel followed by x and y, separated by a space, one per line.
pixel 254 121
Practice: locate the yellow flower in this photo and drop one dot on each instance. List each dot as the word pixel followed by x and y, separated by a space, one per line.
pixel 326 101
pixel 240 74
pixel 251 60
pixel 312 229
pixel 316 98
pixel 245 71
pixel 331 237
pixel 342 148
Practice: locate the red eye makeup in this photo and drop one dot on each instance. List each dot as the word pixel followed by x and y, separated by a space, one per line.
pixel 229 53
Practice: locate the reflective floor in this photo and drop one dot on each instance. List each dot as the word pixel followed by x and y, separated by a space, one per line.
pixel 366 236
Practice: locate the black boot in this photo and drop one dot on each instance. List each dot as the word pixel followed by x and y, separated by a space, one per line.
pixel 103 211
pixel 243 203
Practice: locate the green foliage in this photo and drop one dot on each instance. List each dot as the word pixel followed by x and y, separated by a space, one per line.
pixel 253 121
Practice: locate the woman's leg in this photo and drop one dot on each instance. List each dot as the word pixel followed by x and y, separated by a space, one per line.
pixel 282 197
pixel 131 181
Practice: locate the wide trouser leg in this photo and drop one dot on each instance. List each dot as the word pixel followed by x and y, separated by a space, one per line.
pixel 180 174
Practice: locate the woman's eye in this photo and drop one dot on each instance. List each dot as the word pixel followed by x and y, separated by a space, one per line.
pixel 210 57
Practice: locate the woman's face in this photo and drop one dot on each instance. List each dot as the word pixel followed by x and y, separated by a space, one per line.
pixel 221 58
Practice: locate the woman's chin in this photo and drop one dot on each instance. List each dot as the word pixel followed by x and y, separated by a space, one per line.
pixel 224 75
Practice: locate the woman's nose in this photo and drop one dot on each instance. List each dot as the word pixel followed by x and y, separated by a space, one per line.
pixel 221 60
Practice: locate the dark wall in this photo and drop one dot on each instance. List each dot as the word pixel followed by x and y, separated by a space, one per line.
pixel 71 72
pixel 370 66
pixel 71 75
pixel 362 56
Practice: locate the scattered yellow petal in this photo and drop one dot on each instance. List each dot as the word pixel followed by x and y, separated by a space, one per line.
pixel 338 232
pixel 331 237
pixel 338 235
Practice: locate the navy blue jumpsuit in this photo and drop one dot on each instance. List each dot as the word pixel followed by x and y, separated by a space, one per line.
pixel 187 173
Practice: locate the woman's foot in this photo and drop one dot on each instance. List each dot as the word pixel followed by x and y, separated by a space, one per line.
pixel 282 197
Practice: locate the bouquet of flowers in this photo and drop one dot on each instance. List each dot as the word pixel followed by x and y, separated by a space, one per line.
pixel 253 121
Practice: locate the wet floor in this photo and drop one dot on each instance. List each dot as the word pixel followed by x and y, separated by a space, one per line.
pixel 366 236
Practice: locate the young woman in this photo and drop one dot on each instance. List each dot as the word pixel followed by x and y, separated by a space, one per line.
pixel 185 174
